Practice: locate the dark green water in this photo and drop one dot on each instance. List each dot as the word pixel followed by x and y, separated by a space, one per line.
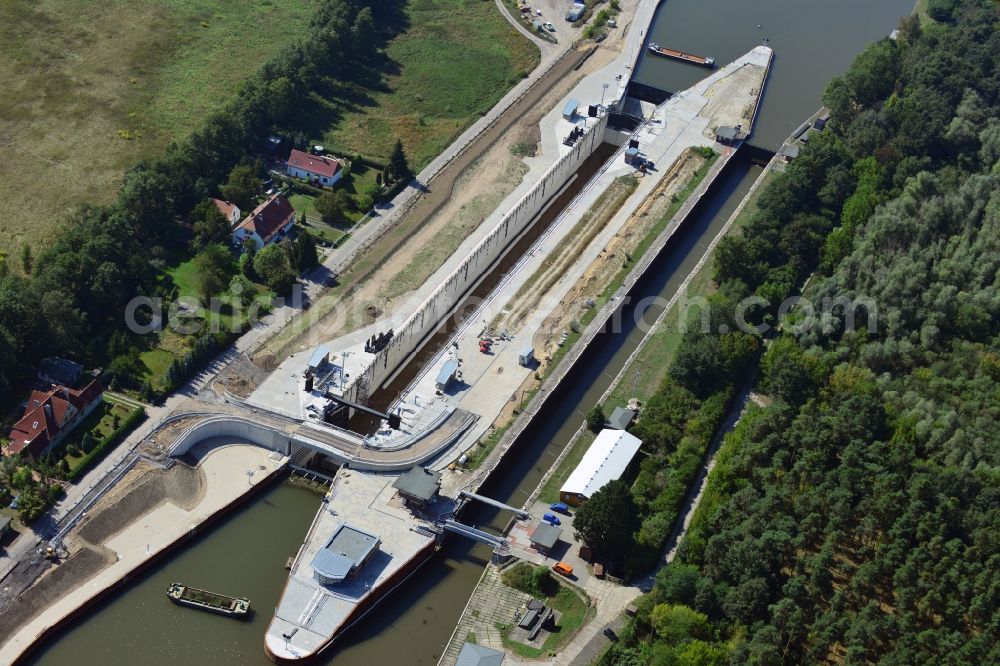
pixel 242 556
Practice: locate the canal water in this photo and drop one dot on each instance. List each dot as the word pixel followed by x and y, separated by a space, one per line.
pixel 245 554
pixel 813 41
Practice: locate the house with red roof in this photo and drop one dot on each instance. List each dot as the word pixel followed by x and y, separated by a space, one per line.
pixel 51 415
pixel 267 223
pixel 317 169
pixel 230 211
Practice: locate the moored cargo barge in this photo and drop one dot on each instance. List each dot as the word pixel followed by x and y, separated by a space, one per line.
pixel 185 595
pixel 680 55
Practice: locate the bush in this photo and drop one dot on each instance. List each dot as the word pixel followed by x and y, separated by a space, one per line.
pixel 596 418
pixel 536 581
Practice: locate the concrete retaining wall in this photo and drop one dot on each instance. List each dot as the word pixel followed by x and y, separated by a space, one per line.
pixel 440 304
pixel 229 426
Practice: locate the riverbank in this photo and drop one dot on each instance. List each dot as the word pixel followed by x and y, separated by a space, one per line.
pixel 143 519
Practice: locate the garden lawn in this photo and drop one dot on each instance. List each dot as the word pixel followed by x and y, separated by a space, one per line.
pixel 100 423
pixel 91 88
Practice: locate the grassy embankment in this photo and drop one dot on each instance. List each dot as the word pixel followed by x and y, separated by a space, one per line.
pixel 653 360
pixel 92 88
pixel 550 490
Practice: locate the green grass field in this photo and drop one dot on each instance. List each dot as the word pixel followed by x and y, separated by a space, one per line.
pixel 456 59
pixel 90 88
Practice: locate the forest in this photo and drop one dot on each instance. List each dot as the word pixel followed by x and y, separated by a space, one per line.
pixel 852 516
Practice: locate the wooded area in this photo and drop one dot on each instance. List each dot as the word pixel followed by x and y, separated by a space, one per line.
pixel 855 518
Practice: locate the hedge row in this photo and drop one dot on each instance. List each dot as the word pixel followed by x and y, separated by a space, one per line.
pixel 135 417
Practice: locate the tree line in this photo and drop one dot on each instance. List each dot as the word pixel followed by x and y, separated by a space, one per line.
pixel 78 286
pixel 854 517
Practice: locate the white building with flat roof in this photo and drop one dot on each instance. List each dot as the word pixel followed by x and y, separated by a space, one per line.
pixel 606 460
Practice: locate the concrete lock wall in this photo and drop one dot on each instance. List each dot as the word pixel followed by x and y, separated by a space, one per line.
pixel 449 293
pixel 228 426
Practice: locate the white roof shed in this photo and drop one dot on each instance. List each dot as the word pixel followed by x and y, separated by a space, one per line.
pixel 606 460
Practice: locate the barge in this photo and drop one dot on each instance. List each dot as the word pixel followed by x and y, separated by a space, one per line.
pixel 185 595
pixel 680 55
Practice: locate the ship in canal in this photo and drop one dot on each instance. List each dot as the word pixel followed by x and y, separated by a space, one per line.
pixel 185 595
pixel 680 55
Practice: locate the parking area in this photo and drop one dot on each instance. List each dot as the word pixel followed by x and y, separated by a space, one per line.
pixel 566 549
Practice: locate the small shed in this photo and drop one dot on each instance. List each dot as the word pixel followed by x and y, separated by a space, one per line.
pixel 631 155
pixel 447 374
pixel 545 536
pixel 726 135
pixel 537 25
pixel 526 358
pixel 569 111
pixel 4 526
pixel 479 655
pixel 319 358
pixel 820 122
pixel 789 152
pixel 419 485
pixel 621 418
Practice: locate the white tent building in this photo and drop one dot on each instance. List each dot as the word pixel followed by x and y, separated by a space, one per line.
pixel 606 460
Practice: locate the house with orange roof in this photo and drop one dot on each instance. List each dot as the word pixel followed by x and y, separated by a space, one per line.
pixel 267 223
pixel 51 415
pixel 317 169
pixel 229 210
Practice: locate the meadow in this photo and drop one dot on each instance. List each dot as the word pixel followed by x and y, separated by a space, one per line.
pixel 92 88
pixel 451 63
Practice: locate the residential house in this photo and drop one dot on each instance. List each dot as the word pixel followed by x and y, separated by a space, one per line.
pixel 317 169
pixel 49 416
pixel 230 211
pixel 269 222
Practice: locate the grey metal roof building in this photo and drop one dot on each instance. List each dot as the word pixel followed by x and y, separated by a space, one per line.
pixel 727 134
pixel 418 485
pixel 345 553
pixel 447 374
pixel 545 536
pixel 478 655
pixel 621 418
pixel 60 371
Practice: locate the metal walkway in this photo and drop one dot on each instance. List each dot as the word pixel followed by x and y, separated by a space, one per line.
pixel 472 533
pixel 492 502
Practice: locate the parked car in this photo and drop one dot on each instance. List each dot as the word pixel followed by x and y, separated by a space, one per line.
pixel 610 633
pixel 559 506
pixel 548 26
pixel 552 519
pixel 563 569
